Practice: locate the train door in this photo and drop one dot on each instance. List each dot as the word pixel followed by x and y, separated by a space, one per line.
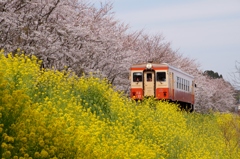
pixel 171 85
pixel 149 87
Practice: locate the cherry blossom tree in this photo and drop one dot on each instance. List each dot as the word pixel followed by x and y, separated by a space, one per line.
pixel 214 95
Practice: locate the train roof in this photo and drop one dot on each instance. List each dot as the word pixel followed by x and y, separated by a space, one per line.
pixel 161 65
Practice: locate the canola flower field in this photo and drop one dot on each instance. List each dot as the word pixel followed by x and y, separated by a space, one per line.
pixel 52 114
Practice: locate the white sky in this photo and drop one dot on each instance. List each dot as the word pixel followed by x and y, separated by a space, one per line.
pixel 205 30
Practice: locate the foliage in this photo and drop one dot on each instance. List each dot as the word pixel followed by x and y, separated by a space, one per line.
pixel 52 114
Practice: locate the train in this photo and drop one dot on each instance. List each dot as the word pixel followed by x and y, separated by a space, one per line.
pixel 164 82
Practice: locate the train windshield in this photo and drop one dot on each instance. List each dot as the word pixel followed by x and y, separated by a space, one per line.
pixel 161 76
pixel 137 77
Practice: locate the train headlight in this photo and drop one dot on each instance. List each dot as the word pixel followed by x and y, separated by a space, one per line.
pixel 149 66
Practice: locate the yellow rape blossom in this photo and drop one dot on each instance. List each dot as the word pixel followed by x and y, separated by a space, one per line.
pixel 52 114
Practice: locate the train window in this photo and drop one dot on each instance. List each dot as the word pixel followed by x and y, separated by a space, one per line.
pixel 137 77
pixel 149 76
pixel 161 76
pixel 184 85
pixel 177 82
pixel 180 83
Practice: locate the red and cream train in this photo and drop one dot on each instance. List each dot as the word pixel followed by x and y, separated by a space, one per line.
pixel 162 81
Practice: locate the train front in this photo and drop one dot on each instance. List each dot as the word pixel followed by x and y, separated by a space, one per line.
pixel 149 80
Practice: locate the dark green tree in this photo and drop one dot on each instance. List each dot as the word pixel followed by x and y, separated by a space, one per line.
pixel 212 74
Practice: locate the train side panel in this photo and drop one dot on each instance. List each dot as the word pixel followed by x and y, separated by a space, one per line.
pixel 183 87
